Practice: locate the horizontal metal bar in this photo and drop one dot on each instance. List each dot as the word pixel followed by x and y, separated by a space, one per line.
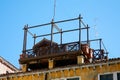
pixel 73 30
pixel 99 50
pixel 39 25
pixel 67 20
pixel 60 32
pixel 92 40
pixel 52 22
pixel 28 50
pixel 71 43
pixel 95 40
pixel 46 34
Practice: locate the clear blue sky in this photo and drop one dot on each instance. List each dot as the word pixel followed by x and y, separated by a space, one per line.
pixel 104 15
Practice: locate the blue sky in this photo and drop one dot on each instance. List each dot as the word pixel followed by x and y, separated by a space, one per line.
pixel 103 16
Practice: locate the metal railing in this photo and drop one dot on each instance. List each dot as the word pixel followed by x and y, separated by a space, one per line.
pixel 57 49
pixel 98 54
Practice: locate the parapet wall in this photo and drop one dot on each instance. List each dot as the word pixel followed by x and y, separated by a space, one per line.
pixel 82 72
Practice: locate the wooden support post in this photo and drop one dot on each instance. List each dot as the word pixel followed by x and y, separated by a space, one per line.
pixel 80 59
pixel 62 73
pixel 24 68
pixel 50 63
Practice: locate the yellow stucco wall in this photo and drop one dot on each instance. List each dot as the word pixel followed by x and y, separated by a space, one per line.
pixel 85 72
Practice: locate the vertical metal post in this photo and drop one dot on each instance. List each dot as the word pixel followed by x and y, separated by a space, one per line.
pixel 107 55
pixel 101 55
pixel 100 43
pixel 88 36
pixel 34 38
pixel 61 37
pixel 52 24
pixel 80 32
pixel 25 38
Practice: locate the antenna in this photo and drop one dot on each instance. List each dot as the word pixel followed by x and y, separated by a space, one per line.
pixel 95 28
pixel 54 9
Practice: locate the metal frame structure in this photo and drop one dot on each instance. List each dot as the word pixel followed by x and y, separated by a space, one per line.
pixel 97 53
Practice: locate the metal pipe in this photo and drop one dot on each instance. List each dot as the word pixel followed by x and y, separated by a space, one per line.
pixel 60 32
pixel 101 54
pixel 51 23
pixel 34 38
pixel 104 46
pixel 88 36
pixel 39 25
pixel 61 37
pixel 79 31
pixel 83 23
pixel 30 33
pixel 100 43
pixel 25 38
pixel 66 20
pixel 92 40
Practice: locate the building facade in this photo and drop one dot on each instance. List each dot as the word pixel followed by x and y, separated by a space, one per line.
pixel 108 70
pixel 6 67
